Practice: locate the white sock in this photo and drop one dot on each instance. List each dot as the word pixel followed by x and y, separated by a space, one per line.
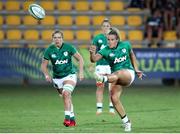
pixel 67 113
pixel 110 104
pixel 72 114
pixel 99 105
pixel 105 78
pixel 125 119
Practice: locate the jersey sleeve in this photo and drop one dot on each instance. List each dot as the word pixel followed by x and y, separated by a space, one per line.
pixel 46 54
pixel 102 52
pixel 73 50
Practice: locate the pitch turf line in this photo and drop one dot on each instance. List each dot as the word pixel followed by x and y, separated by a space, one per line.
pixel 39 109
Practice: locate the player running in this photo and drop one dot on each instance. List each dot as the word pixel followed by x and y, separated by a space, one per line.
pixel 64 74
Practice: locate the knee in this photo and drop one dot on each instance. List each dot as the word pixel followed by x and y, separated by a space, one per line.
pixel 66 94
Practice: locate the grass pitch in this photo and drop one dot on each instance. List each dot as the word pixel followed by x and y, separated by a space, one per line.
pixel 39 109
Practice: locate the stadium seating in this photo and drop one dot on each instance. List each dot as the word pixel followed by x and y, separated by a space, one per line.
pixel 64 5
pixel 31 35
pixel 12 5
pixel 77 16
pixel 26 4
pixel 1 5
pixel 134 20
pixel 97 20
pixel 122 35
pixel 116 6
pixel 65 20
pixel 81 6
pixel 48 20
pixel 82 20
pixel 133 10
pixel 117 20
pixel 95 32
pixel 135 35
pixel 170 35
pixel 47 5
pixel 14 35
pixel 98 6
pixel 13 20
pixel 46 35
pixel 2 35
pixel 29 21
pixel 68 35
pixel 83 35
pixel 1 20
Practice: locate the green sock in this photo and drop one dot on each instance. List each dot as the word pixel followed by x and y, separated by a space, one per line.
pixel 67 117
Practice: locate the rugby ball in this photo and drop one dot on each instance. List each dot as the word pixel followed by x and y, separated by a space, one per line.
pixel 37 11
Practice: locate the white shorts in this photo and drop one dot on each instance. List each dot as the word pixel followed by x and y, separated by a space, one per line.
pixel 103 69
pixel 132 73
pixel 58 83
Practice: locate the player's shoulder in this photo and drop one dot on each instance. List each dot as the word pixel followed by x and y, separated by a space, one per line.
pixel 68 45
pixel 106 48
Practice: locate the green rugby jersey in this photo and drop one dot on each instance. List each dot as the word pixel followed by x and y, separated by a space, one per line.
pixel 100 41
pixel 61 59
pixel 119 57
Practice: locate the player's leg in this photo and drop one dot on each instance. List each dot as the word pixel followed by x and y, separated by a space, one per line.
pixel 72 116
pixel 58 84
pixel 111 107
pixel 123 77
pixel 115 95
pixel 100 90
pixel 99 97
pixel 69 83
pixel 66 94
pixel 65 87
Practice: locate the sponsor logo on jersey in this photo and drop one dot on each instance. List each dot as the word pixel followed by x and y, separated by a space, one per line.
pixel 53 55
pixel 124 50
pixel 61 62
pixel 100 41
pixel 121 59
pixel 111 54
pixel 65 53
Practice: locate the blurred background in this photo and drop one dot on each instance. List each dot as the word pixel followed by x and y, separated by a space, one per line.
pixel 152 26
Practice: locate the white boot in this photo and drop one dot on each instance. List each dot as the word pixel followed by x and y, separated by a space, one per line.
pixel 127 126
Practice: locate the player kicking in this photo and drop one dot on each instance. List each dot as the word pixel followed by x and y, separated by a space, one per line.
pixel 123 64
pixel 64 74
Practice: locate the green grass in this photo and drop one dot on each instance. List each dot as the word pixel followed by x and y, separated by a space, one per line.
pixel 39 109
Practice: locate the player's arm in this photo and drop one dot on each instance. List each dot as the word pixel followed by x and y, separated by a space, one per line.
pixel 135 65
pixel 79 58
pixel 93 55
pixel 44 69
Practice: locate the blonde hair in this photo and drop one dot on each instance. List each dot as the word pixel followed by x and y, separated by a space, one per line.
pixel 106 20
pixel 115 31
pixel 57 31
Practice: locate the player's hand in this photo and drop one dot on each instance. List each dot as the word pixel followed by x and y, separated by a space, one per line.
pixel 48 78
pixel 92 49
pixel 140 74
pixel 81 76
